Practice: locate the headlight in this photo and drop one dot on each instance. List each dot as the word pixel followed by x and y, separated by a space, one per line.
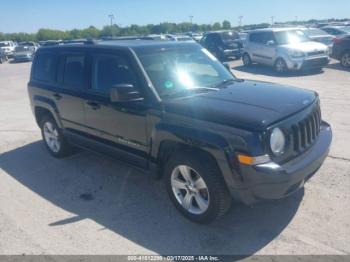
pixel 296 54
pixel 277 141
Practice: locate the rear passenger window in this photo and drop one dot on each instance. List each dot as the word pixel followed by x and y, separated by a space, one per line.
pixel 44 67
pixel 109 71
pixel 256 38
pixel 74 68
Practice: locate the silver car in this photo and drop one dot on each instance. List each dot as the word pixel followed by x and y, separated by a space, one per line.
pixel 284 49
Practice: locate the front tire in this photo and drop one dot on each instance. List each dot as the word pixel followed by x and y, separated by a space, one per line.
pixel 345 59
pixel 281 66
pixel 196 187
pixel 53 138
pixel 247 61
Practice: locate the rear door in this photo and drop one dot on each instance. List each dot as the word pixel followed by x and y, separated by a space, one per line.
pixel 72 79
pixel 120 125
pixel 256 46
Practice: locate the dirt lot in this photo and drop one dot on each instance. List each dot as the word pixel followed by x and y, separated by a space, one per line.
pixel 89 204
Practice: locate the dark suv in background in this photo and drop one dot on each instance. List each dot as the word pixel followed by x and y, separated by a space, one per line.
pixel 341 50
pixel 223 45
pixel 172 110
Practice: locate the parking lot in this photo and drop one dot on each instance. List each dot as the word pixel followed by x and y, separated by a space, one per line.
pixel 91 204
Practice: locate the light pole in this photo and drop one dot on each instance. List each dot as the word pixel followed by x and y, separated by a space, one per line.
pixel 191 21
pixel 272 20
pixel 111 17
pixel 240 20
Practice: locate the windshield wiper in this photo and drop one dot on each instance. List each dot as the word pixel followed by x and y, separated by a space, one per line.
pixel 224 82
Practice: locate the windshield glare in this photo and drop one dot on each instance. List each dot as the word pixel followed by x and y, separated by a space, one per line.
pixel 186 69
pixel 290 37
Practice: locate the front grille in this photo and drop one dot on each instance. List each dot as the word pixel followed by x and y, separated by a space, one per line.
pixel 315 53
pixel 306 131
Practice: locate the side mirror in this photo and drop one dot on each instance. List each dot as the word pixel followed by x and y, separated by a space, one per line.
pixel 125 93
pixel 270 43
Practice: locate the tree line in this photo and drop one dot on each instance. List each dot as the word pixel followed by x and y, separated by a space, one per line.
pixel 115 30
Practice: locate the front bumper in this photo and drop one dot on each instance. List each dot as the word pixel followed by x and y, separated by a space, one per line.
pixel 273 181
pixel 307 63
pixel 22 58
pixel 232 53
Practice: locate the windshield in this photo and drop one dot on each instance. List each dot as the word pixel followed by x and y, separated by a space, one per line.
pixel 4 44
pixel 24 49
pixel 26 44
pixel 183 70
pixel 229 36
pixel 290 37
pixel 315 31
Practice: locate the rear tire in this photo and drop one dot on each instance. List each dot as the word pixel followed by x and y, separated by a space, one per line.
pixel 196 187
pixel 247 61
pixel 53 138
pixel 345 59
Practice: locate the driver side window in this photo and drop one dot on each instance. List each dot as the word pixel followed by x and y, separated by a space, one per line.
pixel 111 70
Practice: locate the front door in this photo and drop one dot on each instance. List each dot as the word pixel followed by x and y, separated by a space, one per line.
pixel 121 124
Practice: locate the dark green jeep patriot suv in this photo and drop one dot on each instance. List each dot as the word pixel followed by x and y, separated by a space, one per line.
pixel 172 110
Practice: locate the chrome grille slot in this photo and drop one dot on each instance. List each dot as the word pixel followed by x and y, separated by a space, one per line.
pixel 306 131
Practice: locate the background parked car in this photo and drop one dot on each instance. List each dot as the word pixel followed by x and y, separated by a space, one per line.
pixel 8 47
pixel 183 38
pixel 195 36
pixel 223 44
pixel 23 53
pixel 337 30
pixel 29 44
pixel 341 50
pixel 3 56
pixel 318 35
pixel 284 49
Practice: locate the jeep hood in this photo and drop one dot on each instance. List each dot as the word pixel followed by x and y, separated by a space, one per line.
pixel 247 104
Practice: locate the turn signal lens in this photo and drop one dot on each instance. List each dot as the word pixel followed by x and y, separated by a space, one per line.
pixel 251 161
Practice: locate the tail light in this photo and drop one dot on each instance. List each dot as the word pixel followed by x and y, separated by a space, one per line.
pixel 337 40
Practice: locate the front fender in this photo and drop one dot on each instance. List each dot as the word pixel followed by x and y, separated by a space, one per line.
pixel 213 144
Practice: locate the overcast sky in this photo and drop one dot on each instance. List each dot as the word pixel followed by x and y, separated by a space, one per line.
pixel 30 15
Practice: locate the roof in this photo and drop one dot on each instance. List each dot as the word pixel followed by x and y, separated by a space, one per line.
pixel 126 44
pixel 276 29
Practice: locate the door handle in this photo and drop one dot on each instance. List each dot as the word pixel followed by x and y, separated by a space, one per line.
pixel 93 105
pixel 57 96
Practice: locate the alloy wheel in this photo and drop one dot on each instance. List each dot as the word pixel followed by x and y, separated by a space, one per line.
pixel 280 66
pixel 190 189
pixel 51 136
pixel 345 60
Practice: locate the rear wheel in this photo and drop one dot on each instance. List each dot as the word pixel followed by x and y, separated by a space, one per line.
pixel 53 138
pixel 280 66
pixel 345 59
pixel 196 187
pixel 246 60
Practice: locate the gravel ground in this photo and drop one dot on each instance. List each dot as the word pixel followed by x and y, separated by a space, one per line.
pixel 90 204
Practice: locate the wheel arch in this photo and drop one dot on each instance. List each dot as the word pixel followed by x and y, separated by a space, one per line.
pixel 41 109
pixel 169 140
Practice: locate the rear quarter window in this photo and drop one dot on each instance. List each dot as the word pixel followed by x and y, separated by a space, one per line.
pixel 44 67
